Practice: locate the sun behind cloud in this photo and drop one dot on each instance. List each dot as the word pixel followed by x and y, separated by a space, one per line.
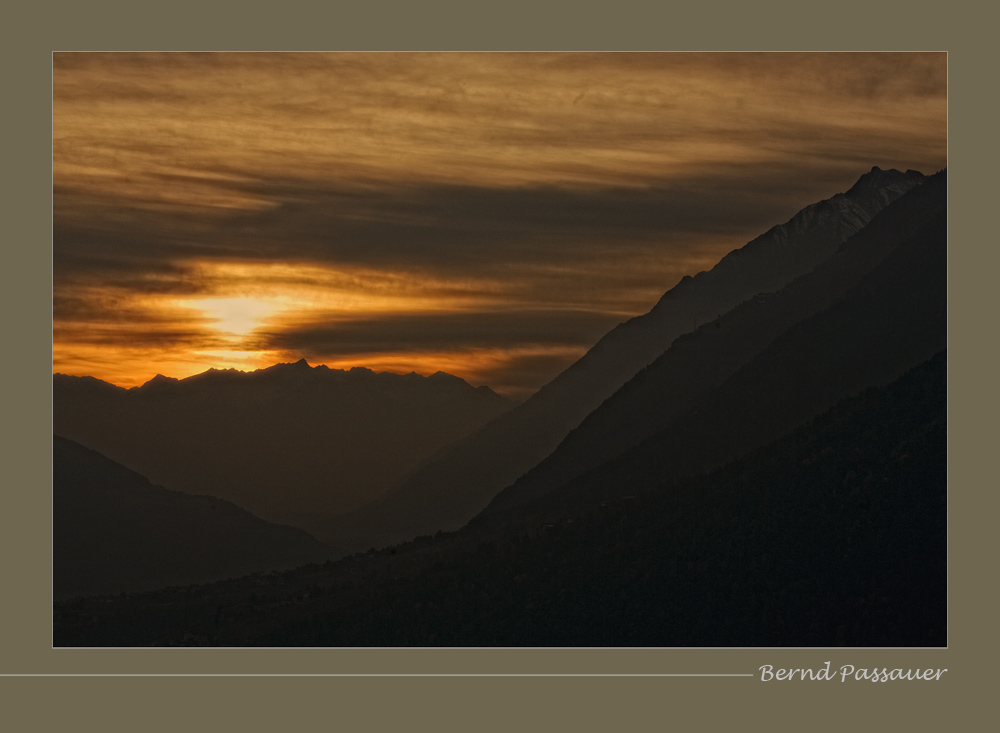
pixel 490 215
pixel 236 316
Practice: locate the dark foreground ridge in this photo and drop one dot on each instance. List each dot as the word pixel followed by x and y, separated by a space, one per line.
pixel 451 488
pixel 834 535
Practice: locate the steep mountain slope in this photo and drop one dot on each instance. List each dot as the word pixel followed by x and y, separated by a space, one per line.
pixel 281 442
pixel 892 251
pixel 894 318
pixel 447 491
pixel 115 532
pixel 833 536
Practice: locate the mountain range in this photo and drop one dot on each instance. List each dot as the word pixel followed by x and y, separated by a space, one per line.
pixel 114 532
pixel 446 492
pixel 833 536
pixel 760 459
pixel 872 310
pixel 283 442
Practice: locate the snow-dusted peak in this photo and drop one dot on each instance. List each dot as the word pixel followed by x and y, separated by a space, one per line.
pixel 877 178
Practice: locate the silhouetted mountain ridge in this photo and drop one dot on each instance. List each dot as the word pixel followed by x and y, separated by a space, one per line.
pixel 835 535
pixel 889 265
pixel 115 532
pixel 284 442
pixel 447 491
pixel 775 475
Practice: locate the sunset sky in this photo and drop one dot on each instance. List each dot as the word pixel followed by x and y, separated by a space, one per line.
pixel 487 215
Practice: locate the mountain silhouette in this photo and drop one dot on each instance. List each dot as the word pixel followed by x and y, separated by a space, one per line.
pixel 833 536
pixel 283 442
pixel 872 310
pixel 773 476
pixel 115 532
pixel 446 492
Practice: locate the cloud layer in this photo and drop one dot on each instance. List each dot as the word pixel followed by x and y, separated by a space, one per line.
pixel 401 208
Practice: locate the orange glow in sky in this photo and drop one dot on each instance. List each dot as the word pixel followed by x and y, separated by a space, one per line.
pixel 489 215
pixel 236 316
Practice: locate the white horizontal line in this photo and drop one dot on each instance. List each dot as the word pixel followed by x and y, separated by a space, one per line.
pixel 378 674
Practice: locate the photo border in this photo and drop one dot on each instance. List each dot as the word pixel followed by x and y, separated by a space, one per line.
pixel 593 702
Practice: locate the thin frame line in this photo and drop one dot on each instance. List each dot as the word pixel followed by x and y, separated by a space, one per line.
pixel 381 674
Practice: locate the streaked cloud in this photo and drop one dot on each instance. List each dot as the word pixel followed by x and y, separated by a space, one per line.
pixel 380 206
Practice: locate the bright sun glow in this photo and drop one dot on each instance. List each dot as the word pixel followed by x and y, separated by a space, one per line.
pixel 238 316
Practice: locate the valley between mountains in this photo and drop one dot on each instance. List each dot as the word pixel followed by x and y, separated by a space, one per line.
pixel 759 460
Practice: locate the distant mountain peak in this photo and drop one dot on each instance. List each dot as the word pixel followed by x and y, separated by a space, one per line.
pixel 275 440
pixel 158 382
pixel 301 364
pixel 445 375
pixel 878 178
pixel 77 383
pixel 214 376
